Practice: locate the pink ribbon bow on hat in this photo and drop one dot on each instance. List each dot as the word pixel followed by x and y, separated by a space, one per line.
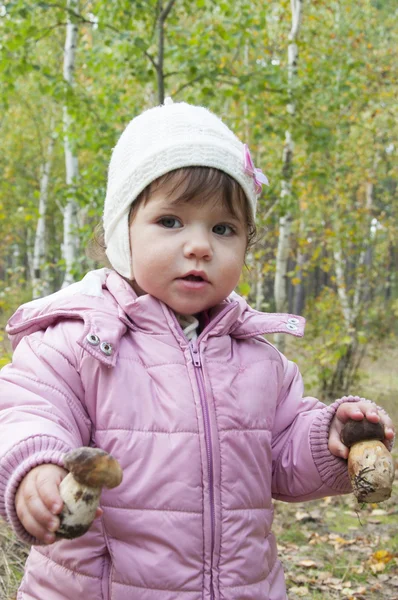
pixel 257 174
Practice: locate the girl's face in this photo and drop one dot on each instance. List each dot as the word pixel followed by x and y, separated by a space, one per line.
pixel 188 255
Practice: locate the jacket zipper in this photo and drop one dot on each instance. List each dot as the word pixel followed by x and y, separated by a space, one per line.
pixel 196 359
pixel 202 394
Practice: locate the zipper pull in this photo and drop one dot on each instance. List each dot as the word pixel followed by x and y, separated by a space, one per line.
pixel 193 346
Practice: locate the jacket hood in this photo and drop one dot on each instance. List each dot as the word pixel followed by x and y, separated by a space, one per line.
pixel 107 305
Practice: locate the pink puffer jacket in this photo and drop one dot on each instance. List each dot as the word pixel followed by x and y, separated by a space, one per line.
pixel 207 434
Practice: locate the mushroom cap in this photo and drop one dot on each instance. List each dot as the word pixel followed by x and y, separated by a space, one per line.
pixel 357 431
pixel 93 467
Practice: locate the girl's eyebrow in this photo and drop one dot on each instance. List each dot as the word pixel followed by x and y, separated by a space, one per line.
pixel 222 212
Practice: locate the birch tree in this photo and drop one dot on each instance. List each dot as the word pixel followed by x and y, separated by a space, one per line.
pixel 39 279
pixel 285 221
pixel 70 240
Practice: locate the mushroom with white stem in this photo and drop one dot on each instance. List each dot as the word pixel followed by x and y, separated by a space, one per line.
pixel 370 464
pixel 90 469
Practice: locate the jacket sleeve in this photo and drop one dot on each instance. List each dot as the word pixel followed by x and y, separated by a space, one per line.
pixel 302 466
pixel 41 413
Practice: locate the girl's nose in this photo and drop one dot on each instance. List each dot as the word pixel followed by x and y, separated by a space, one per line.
pixel 198 246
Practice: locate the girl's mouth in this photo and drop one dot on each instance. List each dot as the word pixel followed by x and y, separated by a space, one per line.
pixel 193 282
pixel 192 278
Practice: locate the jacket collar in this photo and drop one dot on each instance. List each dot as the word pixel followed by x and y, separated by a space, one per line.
pixel 233 316
pixel 108 306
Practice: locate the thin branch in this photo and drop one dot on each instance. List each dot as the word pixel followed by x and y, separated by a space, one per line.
pixel 155 21
pixel 48 30
pixel 188 83
pixel 70 11
pixel 152 60
pixel 165 13
pixel 38 126
pixel 271 209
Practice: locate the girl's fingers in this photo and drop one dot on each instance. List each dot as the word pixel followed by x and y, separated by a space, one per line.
pixel 38 501
pixel 372 414
pixel 336 446
pixel 357 411
pixel 40 513
pixel 37 530
pixel 48 489
pixel 36 518
pixel 349 410
pixel 363 409
pixel 375 414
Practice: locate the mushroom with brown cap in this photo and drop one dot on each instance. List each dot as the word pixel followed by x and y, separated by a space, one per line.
pixel 90 469
pixel 370 464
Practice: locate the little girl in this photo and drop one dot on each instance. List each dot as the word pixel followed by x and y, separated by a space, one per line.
pixel 157 361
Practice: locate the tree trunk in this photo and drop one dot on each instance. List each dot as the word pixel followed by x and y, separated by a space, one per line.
pixel 259 285
pixel 285 221
pixel 299 290
pixel 40 283
pixel 69 246
pixel 163 14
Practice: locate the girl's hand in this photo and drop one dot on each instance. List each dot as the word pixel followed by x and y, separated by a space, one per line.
pixel 357 411
pixel 38 501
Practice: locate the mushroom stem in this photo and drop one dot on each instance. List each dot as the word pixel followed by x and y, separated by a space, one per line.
pixel 370 464
pixel 80 505
pixel 90 469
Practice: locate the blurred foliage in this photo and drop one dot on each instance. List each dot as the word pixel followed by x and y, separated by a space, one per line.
pixel 231 57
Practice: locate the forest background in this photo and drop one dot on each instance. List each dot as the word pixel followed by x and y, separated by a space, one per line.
pixel 311 88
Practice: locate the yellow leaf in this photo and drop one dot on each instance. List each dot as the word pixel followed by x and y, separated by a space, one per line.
pixel 382 556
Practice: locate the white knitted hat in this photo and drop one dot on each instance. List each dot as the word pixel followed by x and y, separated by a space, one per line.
pixel 160 140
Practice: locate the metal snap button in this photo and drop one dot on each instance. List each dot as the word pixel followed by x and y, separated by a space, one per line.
pixel 291 326
pixel 93 339
pixel 106 348
pixel 293 320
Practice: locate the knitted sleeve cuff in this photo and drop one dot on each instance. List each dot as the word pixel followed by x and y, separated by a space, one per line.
pixel 15 465
pixel 332 469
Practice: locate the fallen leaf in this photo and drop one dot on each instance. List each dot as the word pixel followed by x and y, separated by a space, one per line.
pixel 307 564
pixel 299 591
pixel 382 556
pixel 378 512
pixel 323 575
pixel 378 567
pixel 301 515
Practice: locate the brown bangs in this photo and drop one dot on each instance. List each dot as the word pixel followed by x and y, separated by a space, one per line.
pixel 202 185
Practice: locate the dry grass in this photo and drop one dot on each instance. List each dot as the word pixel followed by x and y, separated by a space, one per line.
pixel 12 559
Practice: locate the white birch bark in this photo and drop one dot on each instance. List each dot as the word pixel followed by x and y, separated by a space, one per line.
pixel 259 286
pixel 341 285
pixel 69 246
pixel 285 222
pixel 298 296
pixel 351 303
pixel 40 284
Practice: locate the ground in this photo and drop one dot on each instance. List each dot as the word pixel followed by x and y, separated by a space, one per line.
pixel 336 548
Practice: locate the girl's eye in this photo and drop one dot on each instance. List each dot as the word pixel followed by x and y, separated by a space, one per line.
pixel 170 222
pixel 223 229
